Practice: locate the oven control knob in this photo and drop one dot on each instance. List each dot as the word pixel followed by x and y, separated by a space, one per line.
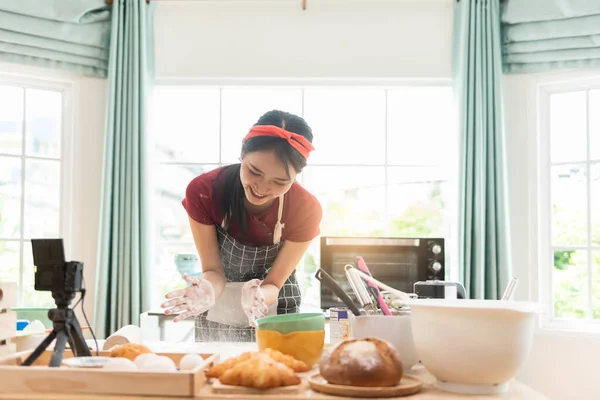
pixel 436 249
pixel 436 266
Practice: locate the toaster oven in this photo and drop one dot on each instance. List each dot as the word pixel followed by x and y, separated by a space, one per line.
pixel 397 262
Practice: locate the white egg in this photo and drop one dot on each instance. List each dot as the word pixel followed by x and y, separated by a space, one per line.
pixel 160 363
pixel 190 361
pixel 144 358
pixel 120 364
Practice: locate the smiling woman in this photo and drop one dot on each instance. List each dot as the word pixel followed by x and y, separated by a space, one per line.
pixel 252 223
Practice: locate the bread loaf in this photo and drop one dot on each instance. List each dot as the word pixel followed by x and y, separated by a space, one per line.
pixel 367 362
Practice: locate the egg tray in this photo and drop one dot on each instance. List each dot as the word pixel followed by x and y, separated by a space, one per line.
pixel 41 378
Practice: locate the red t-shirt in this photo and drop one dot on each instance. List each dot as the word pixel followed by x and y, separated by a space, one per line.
pixel 302 213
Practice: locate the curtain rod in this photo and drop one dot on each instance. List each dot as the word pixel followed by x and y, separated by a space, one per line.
pixel 109 2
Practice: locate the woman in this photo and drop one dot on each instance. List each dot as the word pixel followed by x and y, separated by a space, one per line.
pixel 251 223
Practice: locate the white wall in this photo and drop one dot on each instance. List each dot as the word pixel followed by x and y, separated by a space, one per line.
pixel 331 38
pixel 87 178
pixel 87 132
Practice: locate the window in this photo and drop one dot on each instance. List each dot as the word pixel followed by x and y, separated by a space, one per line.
pixel 570 202
pixel 31 178
pixel 383 165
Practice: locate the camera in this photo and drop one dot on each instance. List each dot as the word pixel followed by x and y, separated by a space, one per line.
pixel 53 273
pixel 64 279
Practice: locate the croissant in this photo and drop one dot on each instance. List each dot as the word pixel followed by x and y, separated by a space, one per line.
pixel 217 370
pixel 129 350
pixel 296 365
pixel 261 372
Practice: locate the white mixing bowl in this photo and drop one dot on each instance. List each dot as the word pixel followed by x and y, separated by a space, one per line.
pixel 394 329
pixel 473 346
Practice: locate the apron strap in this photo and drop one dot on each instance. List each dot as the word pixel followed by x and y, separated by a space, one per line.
pixel 278 226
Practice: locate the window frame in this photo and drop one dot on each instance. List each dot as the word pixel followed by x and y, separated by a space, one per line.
pixel 69 89
pixel 307 83
pixel 540 219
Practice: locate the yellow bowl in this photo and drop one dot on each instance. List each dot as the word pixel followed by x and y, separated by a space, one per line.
pixel 305 346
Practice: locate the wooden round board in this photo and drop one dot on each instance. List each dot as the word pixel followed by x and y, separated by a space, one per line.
pixel 407 386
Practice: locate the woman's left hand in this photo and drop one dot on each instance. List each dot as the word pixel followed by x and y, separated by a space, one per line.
pixel 253 301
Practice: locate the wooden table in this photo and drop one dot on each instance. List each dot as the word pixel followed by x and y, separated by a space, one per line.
pixel 517 391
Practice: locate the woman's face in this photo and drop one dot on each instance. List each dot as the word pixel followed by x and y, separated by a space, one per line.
pixel 264 178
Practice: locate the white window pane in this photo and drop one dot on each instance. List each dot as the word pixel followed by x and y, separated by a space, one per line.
pixel 11 120
pixel 596 284
pixel 10 197
pixel 165 276
pixel 241 108
pixel 422 126
pixel 568 127
pixel 595 203
pixel 185 124
pixel 42 199
pixel 348 125
pixel 10 261
pixel 569 278
pixel 595 125
pixel 44 115
pixel 417 199
pixel 171 182
pixel 32 297
pixel 353 199
pixel 569 212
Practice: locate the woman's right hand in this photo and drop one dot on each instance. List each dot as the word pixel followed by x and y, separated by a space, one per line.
pixel 191 301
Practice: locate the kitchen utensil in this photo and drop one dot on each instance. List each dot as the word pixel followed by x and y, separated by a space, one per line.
pixel 360 290
pixel 288 323
pixel 360 263
pixel 395 292
pixel 324 277
pixel 354 288
pixel 510 289
pixel 394 303
pixel 473 346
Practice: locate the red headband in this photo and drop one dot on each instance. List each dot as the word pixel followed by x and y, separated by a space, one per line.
pixel 298 142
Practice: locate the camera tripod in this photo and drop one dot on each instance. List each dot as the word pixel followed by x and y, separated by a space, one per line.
pixel 66 328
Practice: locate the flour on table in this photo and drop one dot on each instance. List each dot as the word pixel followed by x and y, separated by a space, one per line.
pixel 362 353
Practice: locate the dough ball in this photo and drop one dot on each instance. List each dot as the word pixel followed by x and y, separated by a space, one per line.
pixel 190 361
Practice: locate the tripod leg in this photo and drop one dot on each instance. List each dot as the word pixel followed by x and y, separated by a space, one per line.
pixel 40 349
pixel 76 339
pixel 59 348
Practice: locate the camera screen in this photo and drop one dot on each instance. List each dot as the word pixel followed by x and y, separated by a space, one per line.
pixel 48 252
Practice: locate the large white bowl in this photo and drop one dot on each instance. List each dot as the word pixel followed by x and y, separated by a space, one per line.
pixel 473 346
pixel 394 329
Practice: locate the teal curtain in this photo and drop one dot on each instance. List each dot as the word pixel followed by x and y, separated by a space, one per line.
pixel 71 35
pixel 124 252
pixel 544 35
pixel 484 236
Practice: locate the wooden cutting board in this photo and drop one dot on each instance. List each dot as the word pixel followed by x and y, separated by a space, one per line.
pixel 219 388
pixel 407 386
